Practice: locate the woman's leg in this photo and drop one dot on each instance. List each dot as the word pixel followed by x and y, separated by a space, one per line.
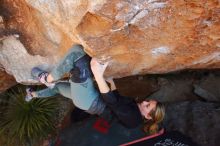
pixel 63 88
pixel 82 91
pixel 77 114
pixel 64 66
pixel 84 95
pixel 67 63
pixel 48 92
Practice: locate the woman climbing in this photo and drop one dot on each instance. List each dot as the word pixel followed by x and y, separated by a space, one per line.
pixel 129 112
pixel 84 95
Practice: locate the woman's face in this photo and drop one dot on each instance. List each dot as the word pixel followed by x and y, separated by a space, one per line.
pixel 146 107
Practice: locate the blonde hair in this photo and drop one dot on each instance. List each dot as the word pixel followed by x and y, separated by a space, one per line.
pixel 152 126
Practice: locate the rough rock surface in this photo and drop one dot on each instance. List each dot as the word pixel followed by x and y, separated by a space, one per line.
pixel 208 88
pixel 141 36
pixel 22 62
pixel 199 120
pixel 6 81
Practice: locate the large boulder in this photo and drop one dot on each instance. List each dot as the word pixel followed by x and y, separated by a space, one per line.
pixel 141 36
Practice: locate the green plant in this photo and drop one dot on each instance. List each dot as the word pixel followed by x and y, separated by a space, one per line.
pixel 28 122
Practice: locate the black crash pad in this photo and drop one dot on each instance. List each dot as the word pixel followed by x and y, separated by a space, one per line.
pixel 97 132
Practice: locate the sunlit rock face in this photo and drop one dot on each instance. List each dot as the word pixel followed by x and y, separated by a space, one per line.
pixel 141 36
pixel 18 61
pixel 149 36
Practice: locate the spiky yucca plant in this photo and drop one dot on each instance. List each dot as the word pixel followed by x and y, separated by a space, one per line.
pixel 28 122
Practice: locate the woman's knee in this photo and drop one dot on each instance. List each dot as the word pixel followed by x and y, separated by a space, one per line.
pixel 62 86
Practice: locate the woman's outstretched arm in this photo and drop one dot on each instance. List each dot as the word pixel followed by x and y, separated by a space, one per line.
pixel 98 70
pixel 124 108
pixel 112 84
